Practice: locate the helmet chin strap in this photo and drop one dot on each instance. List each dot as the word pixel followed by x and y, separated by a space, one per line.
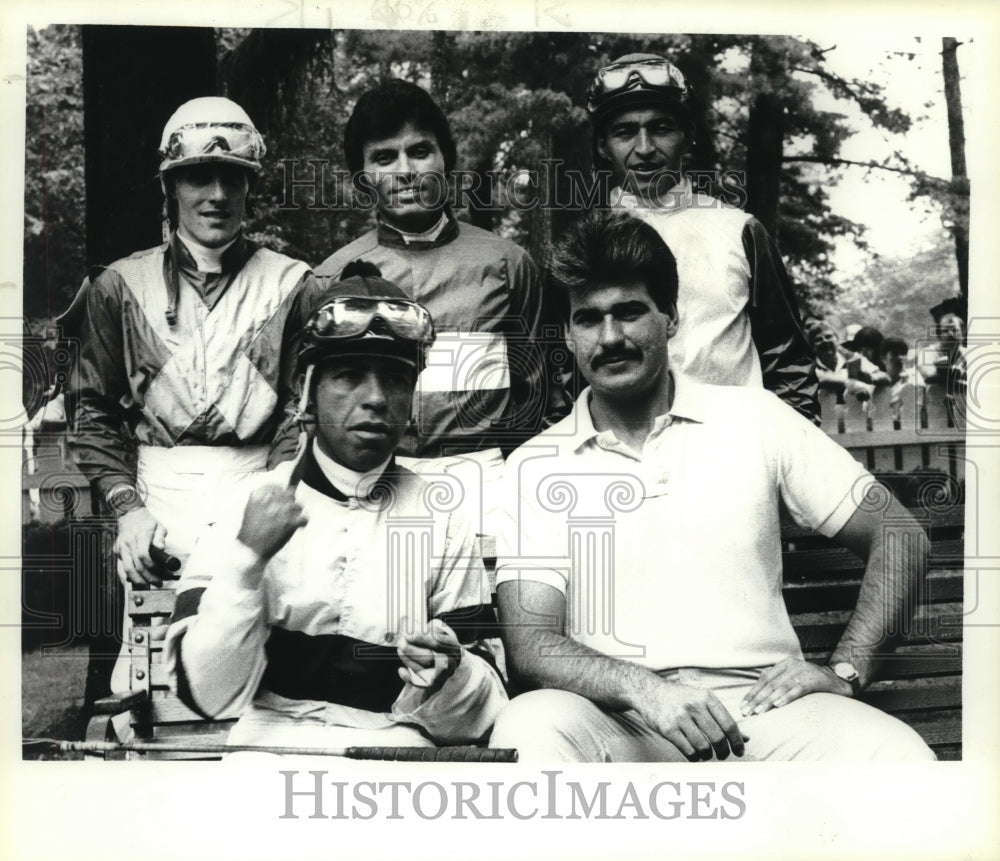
pixel 305 433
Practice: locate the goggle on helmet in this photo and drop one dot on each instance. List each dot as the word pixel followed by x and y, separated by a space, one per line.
pixel 380 323
pixel 636 79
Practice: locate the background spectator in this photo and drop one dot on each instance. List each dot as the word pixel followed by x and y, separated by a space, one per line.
pixel 893 352
pixel 944 362
pixel 867 341
pixel 856 375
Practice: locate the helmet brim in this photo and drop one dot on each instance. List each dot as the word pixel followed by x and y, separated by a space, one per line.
pixel 406 353
pixel 212 158
pixel 669 99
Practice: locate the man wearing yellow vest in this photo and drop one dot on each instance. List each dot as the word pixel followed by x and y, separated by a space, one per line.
pixel 185 366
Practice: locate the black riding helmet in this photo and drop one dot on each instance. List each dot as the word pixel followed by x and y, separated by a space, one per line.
pixel 364 314
pixel 637 81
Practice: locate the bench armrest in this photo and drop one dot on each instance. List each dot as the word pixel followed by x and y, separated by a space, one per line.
pixel 117 704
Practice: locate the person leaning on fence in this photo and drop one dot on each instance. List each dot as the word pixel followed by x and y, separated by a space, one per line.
pixel 867 342
pixel 296 616
pixel 485 385
pixel 944 363
pixel 679 645
pixel 739 318
pixel 845 375
pixel 893 352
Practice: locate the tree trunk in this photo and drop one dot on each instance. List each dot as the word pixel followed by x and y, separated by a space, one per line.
pixel 702 153
pixel 765 139
pixel 539 219
pixel 134 78
pixel 959 176
pixel 442 52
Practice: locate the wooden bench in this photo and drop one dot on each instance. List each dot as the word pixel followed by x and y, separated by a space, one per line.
pixel 921 684
pixel 919 450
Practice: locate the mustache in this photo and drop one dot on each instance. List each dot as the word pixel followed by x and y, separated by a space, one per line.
pixel 606 358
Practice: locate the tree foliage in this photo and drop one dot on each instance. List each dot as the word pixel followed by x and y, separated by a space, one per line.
pixel 762 105
pixel 895 294
pixel 54 239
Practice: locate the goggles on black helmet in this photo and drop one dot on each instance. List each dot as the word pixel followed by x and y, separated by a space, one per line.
pixel 353 316
pixel 653 74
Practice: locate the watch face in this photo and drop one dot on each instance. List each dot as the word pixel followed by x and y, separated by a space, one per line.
pixel 845 671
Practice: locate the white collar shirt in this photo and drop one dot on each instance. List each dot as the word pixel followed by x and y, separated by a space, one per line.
pixel 671 556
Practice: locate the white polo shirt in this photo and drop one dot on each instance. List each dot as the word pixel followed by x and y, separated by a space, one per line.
pixel 671 557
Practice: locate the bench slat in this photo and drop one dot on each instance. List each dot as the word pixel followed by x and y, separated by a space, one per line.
pixel 945 553
pixel 200 732
pixel 941 586
pixel 904 436
pixel 936 728
pixel 948 752
pixel 902 697
pixel 939 623
pixel 913 662
pixel 165 708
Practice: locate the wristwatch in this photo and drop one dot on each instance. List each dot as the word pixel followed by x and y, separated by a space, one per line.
pixel 123 498
pixel 844 670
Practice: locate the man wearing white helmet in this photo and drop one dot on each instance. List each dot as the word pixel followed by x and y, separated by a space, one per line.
pixel 184 347
pixel 185 363
pixel 739 320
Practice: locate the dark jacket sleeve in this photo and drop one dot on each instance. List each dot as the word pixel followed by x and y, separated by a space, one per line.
pixel 787 362
pixel 100 442
pixel 305 300
pixel 537 393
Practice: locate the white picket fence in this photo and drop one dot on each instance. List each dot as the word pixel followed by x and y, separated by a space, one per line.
pixel 925 428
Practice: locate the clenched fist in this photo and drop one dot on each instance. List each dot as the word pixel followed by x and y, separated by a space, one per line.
pixel 429 657
pixel 271 517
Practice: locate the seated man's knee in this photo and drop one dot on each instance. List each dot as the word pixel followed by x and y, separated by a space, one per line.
pixel 903 744
pixel 880 736
pixel 544 724
pixel 868 733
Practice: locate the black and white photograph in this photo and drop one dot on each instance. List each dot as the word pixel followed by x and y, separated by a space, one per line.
pixel 573 427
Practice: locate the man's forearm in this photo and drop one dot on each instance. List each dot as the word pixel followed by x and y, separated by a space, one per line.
pixel 100 442
pixel 889 595
pixel 99 448
pixel 545 659
pixel 220 643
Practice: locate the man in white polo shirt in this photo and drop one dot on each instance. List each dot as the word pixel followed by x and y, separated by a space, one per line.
pixel 639 570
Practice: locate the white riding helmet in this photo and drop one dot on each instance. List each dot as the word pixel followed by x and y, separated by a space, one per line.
pixel 211 129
